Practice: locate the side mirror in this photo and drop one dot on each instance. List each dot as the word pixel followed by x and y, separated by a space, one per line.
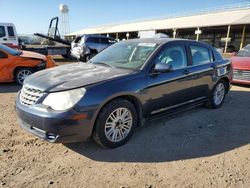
pixel 163 67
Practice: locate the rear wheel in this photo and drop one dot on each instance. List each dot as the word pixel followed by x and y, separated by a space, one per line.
pixel 218 94
pixel 21 74
pixel 115 123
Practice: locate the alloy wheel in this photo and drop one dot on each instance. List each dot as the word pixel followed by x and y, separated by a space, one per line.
pixel 22 75
pixel 219 93
pixel 118 124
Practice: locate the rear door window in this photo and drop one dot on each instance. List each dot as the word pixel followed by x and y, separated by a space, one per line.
pixel 2 32
pixel 200 55
pixel 93 40
pixel 104 40
pixel 11 32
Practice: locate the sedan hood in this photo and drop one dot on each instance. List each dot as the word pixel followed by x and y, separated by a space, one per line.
pixel 241 62
pixel 72 76
pixel 27 54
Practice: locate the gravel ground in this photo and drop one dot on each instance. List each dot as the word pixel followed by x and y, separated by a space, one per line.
pixel 197 148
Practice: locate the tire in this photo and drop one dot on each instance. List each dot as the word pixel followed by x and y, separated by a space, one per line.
pixel 112 134
pixel 217 95
pixel 21 74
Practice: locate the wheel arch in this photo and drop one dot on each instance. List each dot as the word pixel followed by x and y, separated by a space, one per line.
pixel 21 67
pixel 226 80
pixel 131 98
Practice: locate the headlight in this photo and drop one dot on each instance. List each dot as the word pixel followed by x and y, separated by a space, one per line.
pixel 65 99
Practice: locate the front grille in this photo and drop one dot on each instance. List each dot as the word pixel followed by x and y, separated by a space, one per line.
pixel 29 96
pixel 241 75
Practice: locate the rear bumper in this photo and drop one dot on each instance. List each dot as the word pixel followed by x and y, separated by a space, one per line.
pixel 52 126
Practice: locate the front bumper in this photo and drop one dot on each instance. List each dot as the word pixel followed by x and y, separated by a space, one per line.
pixel 53 126
pixel 246 82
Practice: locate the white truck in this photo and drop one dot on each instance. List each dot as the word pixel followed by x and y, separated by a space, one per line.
pixel 8 35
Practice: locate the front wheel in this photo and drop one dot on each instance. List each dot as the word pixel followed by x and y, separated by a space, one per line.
pixel 21 74
pixel 218 95
pixel 115 123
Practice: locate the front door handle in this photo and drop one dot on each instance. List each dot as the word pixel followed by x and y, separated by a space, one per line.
pixel 5 39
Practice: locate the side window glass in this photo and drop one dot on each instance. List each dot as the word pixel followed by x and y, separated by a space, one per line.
pixel 10 31
pixel 200 55
pixel 175 56
pixel 2 32
pixel 2 55
pixel 78 39
pixel 104 41
pixel 93 40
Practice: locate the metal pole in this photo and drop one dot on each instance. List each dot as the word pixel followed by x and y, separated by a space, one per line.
pixel 197 37
pixel 228 32
pixel 198 32
pixel 242 36
pixel 174 33
pixel 116 35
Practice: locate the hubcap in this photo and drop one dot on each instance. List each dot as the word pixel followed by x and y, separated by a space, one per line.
pixel 219 93
pixel 118 124
pixel 22 75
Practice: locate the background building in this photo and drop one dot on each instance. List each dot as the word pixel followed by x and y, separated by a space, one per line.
pixel 226 28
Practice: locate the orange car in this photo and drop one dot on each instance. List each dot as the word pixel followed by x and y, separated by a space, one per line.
pixel 16 65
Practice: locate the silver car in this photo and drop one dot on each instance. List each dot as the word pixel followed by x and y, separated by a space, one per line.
pixel 85 47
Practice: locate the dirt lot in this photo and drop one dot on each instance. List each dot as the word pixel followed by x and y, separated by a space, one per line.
pixel 197 148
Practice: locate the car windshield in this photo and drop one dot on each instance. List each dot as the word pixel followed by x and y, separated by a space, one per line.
pixel 10 50
pixel 125 54
pixel 244 52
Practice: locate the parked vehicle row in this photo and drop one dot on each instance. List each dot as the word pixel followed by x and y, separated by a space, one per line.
pixel 8 35
pixel 122 86
pixel 16 65
pixel 241 66
pixel 84 47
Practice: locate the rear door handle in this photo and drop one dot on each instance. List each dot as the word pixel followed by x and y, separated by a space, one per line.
pixel 4 38
pixel 187 72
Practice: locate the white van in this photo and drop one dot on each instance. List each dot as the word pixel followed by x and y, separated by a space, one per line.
pixel 8 35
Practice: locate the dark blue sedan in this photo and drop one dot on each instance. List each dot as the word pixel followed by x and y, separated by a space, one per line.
pixel 121 88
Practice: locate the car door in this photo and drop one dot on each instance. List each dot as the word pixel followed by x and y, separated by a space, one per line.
pixel 93 43
pixel 201 69
pixel 5 63
pixel 169 90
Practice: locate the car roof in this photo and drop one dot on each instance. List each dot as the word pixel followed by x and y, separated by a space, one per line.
pixel 160 41
pixel 152 40
pixel 97 36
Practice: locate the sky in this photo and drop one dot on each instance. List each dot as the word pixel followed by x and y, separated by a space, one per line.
pixel 31 16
